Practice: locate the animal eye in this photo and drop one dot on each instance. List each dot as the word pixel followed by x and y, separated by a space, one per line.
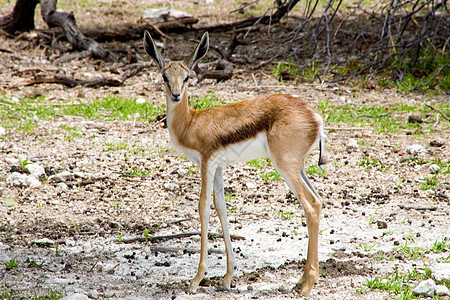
pixel 186 79
pixel 165 78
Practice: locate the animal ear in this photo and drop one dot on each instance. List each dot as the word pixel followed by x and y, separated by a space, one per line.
pixel 199 51
pixel 152 51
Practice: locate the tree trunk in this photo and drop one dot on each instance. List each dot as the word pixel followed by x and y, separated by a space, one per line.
pixel 66 21
pixel 22 17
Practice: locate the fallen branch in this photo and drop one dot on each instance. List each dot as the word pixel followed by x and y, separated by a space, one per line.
pixel 433 208
pixel 66 21
pixel 223 71
pixel 184 250
pixel 175 236
pixel 371 116
pixel 442 114
pixel 136 31
pixel 85 182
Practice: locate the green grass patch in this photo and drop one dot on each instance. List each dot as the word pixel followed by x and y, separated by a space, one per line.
pixel 270 175
pixel 115 146
pixel 259 162
pixel 206 102
pixel 386 118
pixel 25 114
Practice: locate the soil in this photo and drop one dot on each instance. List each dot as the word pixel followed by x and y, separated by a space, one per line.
pixel 70 237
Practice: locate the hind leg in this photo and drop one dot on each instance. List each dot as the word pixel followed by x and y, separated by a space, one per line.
pixel 312 205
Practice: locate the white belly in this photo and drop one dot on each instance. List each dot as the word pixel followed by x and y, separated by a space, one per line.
pixel 239 152
pixel 243 151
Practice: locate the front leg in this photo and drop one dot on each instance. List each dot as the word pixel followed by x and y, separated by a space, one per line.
pixel 204 211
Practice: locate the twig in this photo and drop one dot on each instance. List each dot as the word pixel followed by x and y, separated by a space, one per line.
pixel 175 236
pixel 184 250
pixel 432 208
pixel 371 116
pixel 442 114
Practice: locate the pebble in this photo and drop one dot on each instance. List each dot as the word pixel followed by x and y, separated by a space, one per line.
pixel 170 186
pixel 426 288
pixel 437 142
pixel 434 168
pixel 440 271
pixel 93 294
pixel 19 179
pixel 11 160
pixel 415 149
pixel 339 246
pixel 35 170
pixel 382 224
pixel 352 145
pixel 2 131
pixel 140 100
pixel 109 294
pixel 442 290
pixel 251 185
pixel 44 241
pixel 76 296
pixel 62 186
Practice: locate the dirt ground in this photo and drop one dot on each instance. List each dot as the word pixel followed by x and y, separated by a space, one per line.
pixel 72 238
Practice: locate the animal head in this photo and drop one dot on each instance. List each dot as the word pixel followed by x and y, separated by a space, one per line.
pixel 176 73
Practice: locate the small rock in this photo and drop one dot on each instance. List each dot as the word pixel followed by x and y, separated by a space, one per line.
pixel 62 186
pixel 437 142
pixel 35 170
pixel 32 181
pixel 426 288
pixel 44 242
pixel 250 185
pixel 16 178
pixel 140 100
pixel 415 149
pixel 415 119
pixel 170 186
pixel 63 176
pixel 434 168
pixel 442 290
pixel 339 246
pixel 109 294
pixel 2 131
pixel 11 160
pixel 93 294
pixel 440 271
pixel 352 145
pixel 350 184
pixel 76 296
pixel 15 100
pixel 382 224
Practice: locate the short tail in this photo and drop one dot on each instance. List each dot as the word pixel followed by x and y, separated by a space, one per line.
pixel 322 138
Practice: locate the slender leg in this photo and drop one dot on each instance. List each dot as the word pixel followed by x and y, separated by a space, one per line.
pixel 219 203
pixel 204 210
pixel 311 205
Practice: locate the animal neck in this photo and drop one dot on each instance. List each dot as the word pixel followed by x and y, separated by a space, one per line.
pixel 179 115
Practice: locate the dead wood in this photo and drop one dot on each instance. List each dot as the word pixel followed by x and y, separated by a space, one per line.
pixel 184 250
pixel 85 182
pixel 21 18
pixel 224 71
pixel 175 236
pixel 128 32
pixel 129 71
pixel 433 208
pixel 69 81
pixel 442 114
pixel 67 22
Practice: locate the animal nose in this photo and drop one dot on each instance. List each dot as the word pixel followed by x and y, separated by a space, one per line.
pixel 176 96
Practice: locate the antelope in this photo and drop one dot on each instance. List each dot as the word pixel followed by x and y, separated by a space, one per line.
pixel 281 127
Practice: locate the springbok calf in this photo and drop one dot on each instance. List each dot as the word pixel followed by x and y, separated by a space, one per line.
pixel 281 127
